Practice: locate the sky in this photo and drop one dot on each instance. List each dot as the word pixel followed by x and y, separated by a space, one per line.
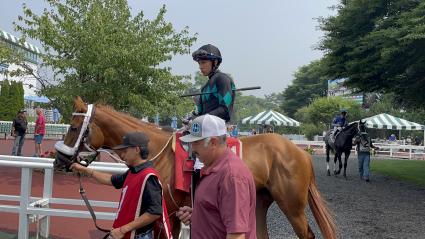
pixel 262 43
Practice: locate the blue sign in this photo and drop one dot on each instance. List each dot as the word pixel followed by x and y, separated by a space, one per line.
pixel 4 67
pixel 174 122
pixel 157 119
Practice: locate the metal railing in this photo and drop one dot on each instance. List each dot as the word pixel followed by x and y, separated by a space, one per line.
pixel 52 130
pixel 385 150
pixel 35 209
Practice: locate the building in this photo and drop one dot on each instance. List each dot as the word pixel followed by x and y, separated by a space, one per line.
pixel 30 53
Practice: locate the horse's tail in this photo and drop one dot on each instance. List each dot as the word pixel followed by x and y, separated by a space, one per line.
pixel 320 211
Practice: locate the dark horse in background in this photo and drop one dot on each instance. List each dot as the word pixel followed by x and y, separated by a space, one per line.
pixel 343 144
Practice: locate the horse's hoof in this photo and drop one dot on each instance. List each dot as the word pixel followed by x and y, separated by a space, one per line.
pixel 329 173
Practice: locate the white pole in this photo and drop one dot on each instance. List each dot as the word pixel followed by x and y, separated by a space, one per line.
pixel 26 178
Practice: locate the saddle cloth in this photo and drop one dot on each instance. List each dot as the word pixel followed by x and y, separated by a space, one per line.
pixel 184 167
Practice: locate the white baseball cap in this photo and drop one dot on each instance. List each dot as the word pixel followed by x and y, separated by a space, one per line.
pixel 205 126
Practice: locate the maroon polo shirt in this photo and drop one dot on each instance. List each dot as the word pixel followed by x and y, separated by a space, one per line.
pixel 225 200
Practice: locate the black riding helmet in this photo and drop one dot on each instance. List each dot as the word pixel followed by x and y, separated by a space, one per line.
pixel 207 52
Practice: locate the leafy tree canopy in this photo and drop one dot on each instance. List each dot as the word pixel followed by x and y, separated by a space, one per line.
pixel 309 83
pixel 379 47
pixel 99 51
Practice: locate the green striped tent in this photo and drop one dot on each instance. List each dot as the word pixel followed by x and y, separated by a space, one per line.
pixel 386 121
pixel 271 117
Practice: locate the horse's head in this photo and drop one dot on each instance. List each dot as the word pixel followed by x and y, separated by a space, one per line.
pixel 81 140
pixel 355 128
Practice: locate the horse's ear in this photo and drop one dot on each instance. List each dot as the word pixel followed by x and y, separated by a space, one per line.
pixel 79 104
pixel 78 100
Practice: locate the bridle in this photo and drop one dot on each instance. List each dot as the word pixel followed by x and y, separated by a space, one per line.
pixel 82 140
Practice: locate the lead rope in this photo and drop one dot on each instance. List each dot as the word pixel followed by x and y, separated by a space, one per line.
pixel 89 207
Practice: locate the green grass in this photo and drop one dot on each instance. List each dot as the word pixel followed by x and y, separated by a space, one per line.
pixel 405 170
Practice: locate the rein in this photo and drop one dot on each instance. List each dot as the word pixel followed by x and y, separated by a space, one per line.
pixel 162 150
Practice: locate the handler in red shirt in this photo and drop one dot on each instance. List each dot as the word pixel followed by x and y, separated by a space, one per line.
pixel 142 206
pixel 225 199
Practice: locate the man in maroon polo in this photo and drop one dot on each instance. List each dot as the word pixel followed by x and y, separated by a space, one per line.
pixel 224 205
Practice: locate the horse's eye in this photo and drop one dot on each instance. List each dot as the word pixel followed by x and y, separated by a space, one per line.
pixel 74 128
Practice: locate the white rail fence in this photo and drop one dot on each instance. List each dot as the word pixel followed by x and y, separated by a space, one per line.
pixel 35 209
pixel 385 150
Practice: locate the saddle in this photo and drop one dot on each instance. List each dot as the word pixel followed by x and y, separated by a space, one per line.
pixel 332 137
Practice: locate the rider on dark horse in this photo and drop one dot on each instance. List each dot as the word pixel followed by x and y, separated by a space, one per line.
pixel 339 123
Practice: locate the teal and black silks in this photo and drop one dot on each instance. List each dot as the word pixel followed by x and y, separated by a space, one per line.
pixel 220 102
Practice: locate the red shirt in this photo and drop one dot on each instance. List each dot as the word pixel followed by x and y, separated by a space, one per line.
pixel 225 200
pixel 40 123
pixel 131 199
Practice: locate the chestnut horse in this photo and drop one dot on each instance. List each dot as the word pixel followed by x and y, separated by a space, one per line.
pixel 283 172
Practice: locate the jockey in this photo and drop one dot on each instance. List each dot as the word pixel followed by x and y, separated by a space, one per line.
pixel 340 121
pixel 220 101
pixel 218 97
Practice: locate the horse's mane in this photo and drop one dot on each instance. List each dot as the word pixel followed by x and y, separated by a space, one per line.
pixel 129 120
pixel 352 124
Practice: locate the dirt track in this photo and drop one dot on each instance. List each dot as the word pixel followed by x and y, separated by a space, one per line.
pixel 383 208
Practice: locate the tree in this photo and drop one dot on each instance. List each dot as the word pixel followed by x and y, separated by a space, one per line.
pixel 309 83
pixel 97 50
pixel 195 85
pixel 378 47
pixel 5 110
pixel 274 101
pixel 12 99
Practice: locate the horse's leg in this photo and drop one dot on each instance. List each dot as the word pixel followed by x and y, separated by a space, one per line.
pixel 347 155
pixel 339 162
pixel 335 159
pixel 297 217
pixel 327 160
pixel 291 195
pixel 264 200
